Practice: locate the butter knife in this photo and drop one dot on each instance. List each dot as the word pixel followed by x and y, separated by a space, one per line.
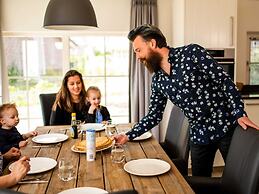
pixel 45 146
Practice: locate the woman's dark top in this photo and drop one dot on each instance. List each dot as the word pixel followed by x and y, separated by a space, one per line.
pixel 62 117
pixel 91 118
pixel 9 138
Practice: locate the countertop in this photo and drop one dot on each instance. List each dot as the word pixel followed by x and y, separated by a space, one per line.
pixel 250 92
pixel 250 96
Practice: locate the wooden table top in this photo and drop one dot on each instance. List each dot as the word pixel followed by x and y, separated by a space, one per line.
pixel 102 173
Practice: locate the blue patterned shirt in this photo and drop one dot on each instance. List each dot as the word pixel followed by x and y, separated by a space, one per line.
pixel 203 91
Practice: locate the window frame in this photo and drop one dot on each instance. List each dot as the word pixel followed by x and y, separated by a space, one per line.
pixel 250 37
pixel 64 35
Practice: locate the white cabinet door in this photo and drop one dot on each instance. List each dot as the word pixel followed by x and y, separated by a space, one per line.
pixel 210 23
pixel 252 110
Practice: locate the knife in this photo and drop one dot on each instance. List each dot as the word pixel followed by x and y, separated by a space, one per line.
pixel 45 146
pixel 31 182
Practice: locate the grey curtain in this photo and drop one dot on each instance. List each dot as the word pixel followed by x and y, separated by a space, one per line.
pixel 142 12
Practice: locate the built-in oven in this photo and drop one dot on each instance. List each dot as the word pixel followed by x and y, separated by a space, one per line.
pixel 225 58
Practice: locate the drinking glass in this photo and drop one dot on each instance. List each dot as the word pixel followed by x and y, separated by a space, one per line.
pixel 110 130
pixel 117 153
pixel 65 169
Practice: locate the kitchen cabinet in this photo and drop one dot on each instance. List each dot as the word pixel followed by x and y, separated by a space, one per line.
pixel 210 23
pixel 252 109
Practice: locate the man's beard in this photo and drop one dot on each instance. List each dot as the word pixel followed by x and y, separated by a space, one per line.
pixel 152 62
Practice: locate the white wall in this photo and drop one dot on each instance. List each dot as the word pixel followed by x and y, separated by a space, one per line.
pixel 178 18
pixel 247 21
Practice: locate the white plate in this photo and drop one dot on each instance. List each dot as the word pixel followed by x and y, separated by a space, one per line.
pixel 84 190
pixel 143 136
pixel 50 138
pixel 147 167
pixel 78 151
pixel 95 126
pixel 39 164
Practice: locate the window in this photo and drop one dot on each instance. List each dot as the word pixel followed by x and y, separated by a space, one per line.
pixel 37 65
pixel 254 61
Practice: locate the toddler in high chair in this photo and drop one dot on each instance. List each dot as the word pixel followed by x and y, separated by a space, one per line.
pixel 9 135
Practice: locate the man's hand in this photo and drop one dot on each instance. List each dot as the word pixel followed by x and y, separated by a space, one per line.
pixel 12 154
pixel 245 122
pixel 121 138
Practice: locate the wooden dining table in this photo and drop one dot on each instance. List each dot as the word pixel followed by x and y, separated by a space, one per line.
pixel 103 173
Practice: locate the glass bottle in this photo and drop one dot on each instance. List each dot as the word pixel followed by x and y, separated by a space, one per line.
pixel 73 129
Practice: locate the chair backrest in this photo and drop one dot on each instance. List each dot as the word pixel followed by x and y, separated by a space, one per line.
pixel 176 142
pixel 177 134
pixel 241 173
pixel 46 102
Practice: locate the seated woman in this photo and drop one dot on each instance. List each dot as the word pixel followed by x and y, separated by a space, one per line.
pixel 96 113
pixel 70 98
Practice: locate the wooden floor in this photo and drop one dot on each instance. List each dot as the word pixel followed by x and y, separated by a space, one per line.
pixel 217 171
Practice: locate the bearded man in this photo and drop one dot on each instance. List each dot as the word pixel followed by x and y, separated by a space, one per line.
pixel 190 78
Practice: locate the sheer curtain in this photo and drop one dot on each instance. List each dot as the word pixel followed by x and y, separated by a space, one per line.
pixel 142 12
pixel 4 94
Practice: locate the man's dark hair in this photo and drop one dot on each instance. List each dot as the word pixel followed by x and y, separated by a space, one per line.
pixel 148 32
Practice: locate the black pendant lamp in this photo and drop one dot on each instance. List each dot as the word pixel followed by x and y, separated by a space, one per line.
pixel 69 15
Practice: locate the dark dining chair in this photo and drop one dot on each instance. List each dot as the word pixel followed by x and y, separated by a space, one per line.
pixel 176 143
pixel 241 172
pixel 46 102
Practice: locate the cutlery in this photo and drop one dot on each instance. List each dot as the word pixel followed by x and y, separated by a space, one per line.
pixel 33 178
pixel 45 146
pixel 32 182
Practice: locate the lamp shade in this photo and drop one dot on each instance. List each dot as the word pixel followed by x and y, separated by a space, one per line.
pixel 69 15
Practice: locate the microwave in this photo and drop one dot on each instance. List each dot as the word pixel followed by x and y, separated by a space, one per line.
pixel 225 58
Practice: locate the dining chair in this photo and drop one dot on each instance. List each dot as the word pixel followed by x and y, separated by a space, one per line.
pixel 241 172
pixel 176 143
pixel 46 102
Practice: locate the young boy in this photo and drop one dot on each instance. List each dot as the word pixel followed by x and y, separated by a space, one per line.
pixel 95 112
pixel 9 135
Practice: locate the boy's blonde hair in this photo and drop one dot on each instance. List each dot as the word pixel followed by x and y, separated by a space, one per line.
pixel 5 107
pixel 93 88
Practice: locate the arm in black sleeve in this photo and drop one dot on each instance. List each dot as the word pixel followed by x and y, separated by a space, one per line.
pixel 89 118
pixel 59 117
pixel 9 141
pixel 53 117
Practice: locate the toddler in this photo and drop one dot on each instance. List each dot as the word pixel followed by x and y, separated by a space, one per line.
pixel 95 112
pixel 9 135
